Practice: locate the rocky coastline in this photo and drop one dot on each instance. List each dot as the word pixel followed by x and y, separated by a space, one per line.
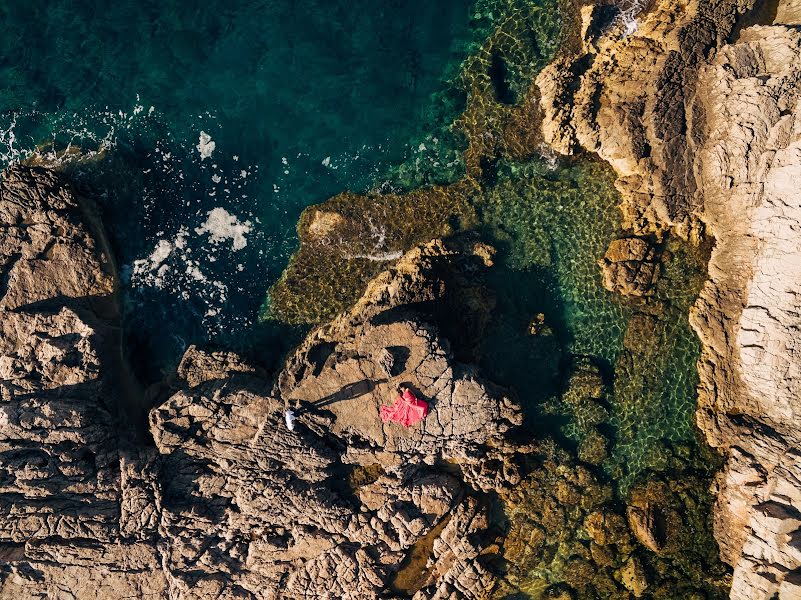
pixel 698 117
pixel 226 502
pixel 196 488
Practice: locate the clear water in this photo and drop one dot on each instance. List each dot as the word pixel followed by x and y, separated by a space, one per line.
pixel 302 99
pixel 552 223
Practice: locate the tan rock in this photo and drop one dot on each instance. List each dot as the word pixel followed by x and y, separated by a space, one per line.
pixel 633 577
pixel 748 313
pixel 630 267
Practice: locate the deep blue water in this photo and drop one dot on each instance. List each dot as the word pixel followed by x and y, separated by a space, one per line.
pixel 301 98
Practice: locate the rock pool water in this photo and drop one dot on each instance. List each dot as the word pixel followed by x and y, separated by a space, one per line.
pixel 207 130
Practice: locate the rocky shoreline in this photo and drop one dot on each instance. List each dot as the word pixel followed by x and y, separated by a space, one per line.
pixel 196 488
pixel 703 135
pixel 229 503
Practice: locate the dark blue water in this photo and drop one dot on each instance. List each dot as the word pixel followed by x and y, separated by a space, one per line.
pixel 301 98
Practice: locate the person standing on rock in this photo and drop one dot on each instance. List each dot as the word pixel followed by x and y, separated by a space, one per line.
pixel 290 418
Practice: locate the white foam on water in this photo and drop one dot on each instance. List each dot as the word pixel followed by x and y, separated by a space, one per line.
pixel 222 225
pixel 205 146
pixel 629 11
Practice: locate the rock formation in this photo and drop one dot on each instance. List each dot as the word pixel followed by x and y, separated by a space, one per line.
pixel 630 267
pixel 748 315
pixel 227 502
pixel 703 133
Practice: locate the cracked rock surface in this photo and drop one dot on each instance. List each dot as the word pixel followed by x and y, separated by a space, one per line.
pixel 226 501
pixel 749 314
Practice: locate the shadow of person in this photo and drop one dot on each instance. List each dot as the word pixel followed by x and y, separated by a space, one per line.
pixel 348 392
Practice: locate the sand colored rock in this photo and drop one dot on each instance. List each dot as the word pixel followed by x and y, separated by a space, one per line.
pixel 624 96
pixel 228 502
pixel 72 515
pixel 747 316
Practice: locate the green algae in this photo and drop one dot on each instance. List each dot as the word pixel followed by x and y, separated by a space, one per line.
pixel 327 274
pixel 570 537
pixel 614 384
pixel 351 238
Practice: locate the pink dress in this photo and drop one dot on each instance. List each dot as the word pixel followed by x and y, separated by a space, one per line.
pixel 407 410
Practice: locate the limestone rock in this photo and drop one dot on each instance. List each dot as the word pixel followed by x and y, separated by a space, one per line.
pixel 747 315
pixel 704 136
pixel 623 97
pixel 250 507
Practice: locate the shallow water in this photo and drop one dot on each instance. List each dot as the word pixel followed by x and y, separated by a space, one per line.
pixel 214 127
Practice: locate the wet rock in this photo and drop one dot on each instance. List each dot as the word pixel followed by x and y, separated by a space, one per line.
pixel 648 526
pixel 593 448
pixel 703 135
pixel 633 577
pixel 622 95
pixel 340 371
pixel 630 267
pixel 538 326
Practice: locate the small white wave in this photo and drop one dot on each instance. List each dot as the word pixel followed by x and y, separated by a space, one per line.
pixel 630 10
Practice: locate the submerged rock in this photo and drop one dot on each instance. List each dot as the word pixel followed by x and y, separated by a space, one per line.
pixel 630 267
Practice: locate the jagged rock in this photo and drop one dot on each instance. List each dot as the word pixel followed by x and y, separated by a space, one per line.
pixel 648 526
pixel 623 96
pixel 198 367
pixel 230 503
pixel 72 513
pixel 341 370
pixel 230 469
pixel 747 315
pixel 704 135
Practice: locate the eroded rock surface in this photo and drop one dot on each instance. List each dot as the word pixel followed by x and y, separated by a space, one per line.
pixel 230 503
pixel 703 133
pixel 625 97
pixel 748 314
pixel 70 514
pixel 630 267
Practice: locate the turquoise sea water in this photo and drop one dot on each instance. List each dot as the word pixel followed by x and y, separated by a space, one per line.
pixel 209 127
pixel 206 128
pixel 301 98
